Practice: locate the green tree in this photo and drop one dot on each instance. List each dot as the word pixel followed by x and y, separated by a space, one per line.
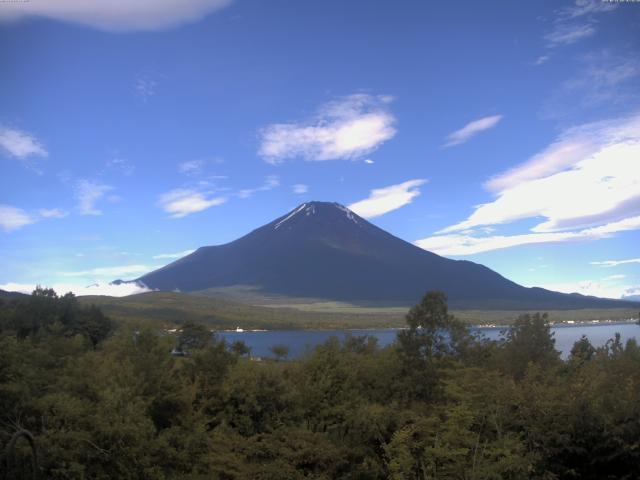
pixel 240 348
pixel 280 351
pixel 193 336
pixel 432 335
pixel 529 340
pixel 582 350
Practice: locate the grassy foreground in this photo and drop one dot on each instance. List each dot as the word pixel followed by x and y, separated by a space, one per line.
pixel 169 309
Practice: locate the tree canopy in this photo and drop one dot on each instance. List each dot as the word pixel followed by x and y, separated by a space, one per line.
pixel 102 401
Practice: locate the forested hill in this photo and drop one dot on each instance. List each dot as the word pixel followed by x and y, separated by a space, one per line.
pixel 9 295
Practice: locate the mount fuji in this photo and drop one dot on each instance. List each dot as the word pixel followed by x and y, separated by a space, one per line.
pixel 324 250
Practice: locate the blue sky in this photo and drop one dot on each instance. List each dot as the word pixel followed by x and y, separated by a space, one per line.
pixel 506 133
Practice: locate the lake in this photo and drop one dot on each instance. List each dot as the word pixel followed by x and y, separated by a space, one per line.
pixel 300 341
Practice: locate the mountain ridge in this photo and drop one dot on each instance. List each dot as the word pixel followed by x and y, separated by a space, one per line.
pixel 324 250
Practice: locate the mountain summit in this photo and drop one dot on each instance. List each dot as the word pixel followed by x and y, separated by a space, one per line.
pixel 324 250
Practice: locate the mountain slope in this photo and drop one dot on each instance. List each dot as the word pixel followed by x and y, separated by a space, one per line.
pixel 11 295
pixel 324 250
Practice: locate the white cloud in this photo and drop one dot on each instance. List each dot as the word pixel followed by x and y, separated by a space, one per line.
pixel 110 272
pixel 571 147
pixel 270 182
pixel 173 255
pixel 191 167
pixel 88 193
pixel 574 145
pixel 145 87
pixel 604 78
pixel 632 291
pixel 467 244
pixel 586 7
pixel 12 218
pixel 615 263
pixel 542 59
pixel 603 188
pixel 566 34
pixel 116 16
pixel 121 290
pixel 387 199
pixel 615 277
pixel 300 188
pixel 471 129
pixel 600 172
pixel 52 213
pixel 602 288
pixel 368 161
pixel 576 22
pixel 347 128
pixel 182 202
pixel 122 165
pixel 21 145
pixel 586 185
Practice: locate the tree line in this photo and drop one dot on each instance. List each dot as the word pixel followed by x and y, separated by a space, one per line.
pixel 104 401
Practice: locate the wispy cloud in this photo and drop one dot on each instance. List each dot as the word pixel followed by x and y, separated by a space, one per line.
pixel 121 165
pixel 566 34
pixel 22 145
pixel 576 22
pixel 88 193
pixel 368 161
pixel 145 87
pixel 109 272
pixel 604 78
pixel 185 201
pixel 191 167
pixel 12 218
pixel 616 277
pixel 468 244
pixel 197 168
pixel 116 16
pixel 542 59
pixel 471 129
pixel 103 288
pixel 596 162
pixel 568 150
pixel 387 199
pixel 300 188
pixel 580 8
pixel 52 213
pixel 163 256
pixel 271 182
pixel 615 263
pixel 347 128
pixel 605 288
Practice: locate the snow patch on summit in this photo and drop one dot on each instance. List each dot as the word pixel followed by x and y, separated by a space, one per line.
pixel 349 213
pixel 291 215
pixel 308 209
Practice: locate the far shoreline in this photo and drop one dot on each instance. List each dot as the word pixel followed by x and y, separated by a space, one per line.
pixel 570 324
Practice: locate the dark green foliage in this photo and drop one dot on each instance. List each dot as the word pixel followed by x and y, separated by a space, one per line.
pixel 529 341
pixel 240 348
pixel 44 312
pixel 582 350
pixel 436 404
pixel 280 351
pixel 433 336
pixel 193 336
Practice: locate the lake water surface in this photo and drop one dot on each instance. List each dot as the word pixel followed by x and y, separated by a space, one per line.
pixel 301 341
